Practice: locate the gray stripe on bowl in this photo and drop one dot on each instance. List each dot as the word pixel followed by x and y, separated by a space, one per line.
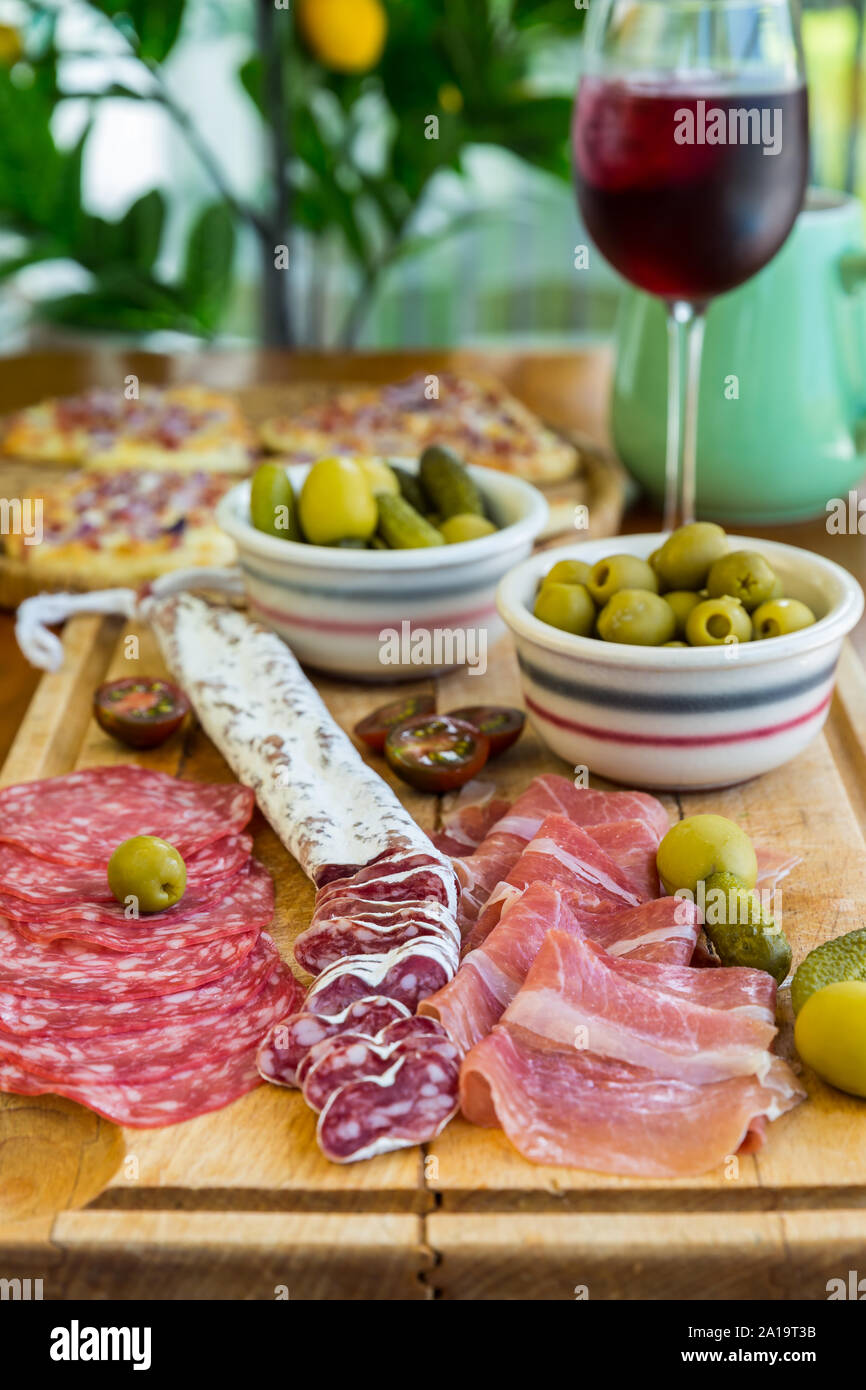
pixel 670 704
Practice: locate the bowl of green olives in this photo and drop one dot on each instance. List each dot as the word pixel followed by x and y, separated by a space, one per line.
pixel 381 569
pixel 679 661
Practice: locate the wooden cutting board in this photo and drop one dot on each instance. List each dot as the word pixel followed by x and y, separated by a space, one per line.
pixel 241 1204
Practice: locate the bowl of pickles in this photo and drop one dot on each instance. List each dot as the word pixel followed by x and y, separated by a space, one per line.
pixel 688 660
pixel 381 569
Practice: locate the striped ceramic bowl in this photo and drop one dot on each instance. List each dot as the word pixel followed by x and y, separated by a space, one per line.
pixel 385 614
pixel 677 718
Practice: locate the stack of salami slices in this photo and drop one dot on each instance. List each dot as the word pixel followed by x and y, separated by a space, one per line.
pixel 149 1020
pixel 381 939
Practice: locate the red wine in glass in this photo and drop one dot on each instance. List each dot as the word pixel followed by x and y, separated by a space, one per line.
pixel 687 221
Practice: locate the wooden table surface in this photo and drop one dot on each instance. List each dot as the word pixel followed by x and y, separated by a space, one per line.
pixel 568 389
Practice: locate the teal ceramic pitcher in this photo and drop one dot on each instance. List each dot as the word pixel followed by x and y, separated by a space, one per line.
pixel 782 422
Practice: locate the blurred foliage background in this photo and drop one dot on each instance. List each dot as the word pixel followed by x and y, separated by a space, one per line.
pixel 316 172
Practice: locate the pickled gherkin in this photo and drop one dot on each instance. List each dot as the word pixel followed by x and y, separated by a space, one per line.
pixel 273 508
pixel 402 528
pixel 410 488
pixel 843 958
pixel 741 932
pixel 447 484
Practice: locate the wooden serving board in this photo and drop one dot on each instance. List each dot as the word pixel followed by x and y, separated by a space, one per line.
pixel 241 1204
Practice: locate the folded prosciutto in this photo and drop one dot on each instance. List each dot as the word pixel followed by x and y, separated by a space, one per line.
pixel 468 816
pixel 561 852
pixel 629 1068
pixel 489 978
pixel 479 873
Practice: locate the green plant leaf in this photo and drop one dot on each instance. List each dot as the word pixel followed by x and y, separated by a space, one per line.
pixel 156 23
pixel 208 265
pixel 562 15
pixel 141 229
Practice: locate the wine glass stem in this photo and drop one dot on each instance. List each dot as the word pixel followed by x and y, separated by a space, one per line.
pixel 685 349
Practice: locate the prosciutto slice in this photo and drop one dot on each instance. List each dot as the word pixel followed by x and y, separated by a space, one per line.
pixel 480 872
pixel 633 847
pixel 696 1025
pixel 563 1098
pixel 489 978
pixel 561 853
pixel 468 816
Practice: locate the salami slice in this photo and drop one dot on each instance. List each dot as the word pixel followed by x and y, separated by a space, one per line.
pixel 408 974
pixel 73 973
pixel 410 1103
pixel 82 817
pixel 415 1027
pixel 348 1058
pixel 25 878
pixel 185 1095
pixel 169 1044
pixel 184 1082
pixel 290 1039
pixel 372 933
pixel 433 882
pixel 247 902
pixel 27 1015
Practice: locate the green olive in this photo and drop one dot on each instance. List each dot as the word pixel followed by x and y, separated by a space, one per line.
pixel 830 1034
pixel 675 644
pixel 699 846
pixel 465 526
pixel 687 555
pixel 745 575
pixel 379 475
pixel 566 606
pixel 149 871
pixel 618 572
pixel 682 601
pixel 638 618
pixel 718 622
pixel 273 508
pixel 337 503
pixel 842 958
pixel 781 616
pixel 568 572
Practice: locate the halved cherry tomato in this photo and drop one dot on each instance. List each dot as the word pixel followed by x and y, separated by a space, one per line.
pixel 140 711
pixel 374 729
pixel 436 753
pixel 502 724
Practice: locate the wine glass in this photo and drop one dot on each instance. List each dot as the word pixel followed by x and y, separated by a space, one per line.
pixel 691 153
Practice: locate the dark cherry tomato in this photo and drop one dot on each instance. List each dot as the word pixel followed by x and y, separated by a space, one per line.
pixel 375 728
pixel 502 724
pixel 140 711
pixel 436 753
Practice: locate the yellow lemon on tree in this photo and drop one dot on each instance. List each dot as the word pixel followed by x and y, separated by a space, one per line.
pixel 11 47
pixel 345 35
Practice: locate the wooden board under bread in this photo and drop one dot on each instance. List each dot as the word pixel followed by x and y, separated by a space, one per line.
pixel 235 1204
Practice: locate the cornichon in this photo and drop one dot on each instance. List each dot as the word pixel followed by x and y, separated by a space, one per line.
pixel 402 527
pixel 447 483
pixel 740 931
pixel 410 488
